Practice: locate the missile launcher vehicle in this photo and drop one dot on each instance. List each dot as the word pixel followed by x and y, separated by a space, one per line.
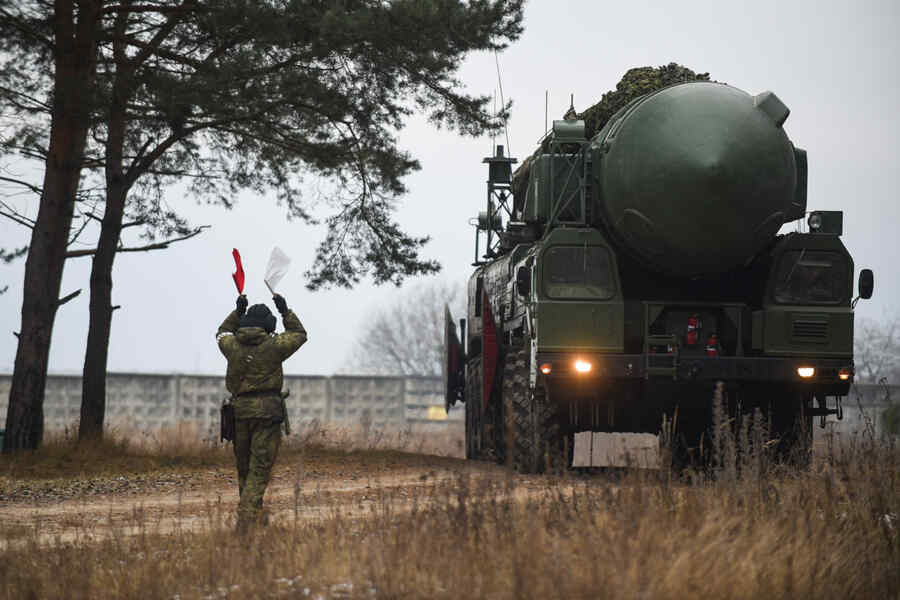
pixel 619 279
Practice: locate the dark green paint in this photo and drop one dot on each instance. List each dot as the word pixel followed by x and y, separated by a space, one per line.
pixel 577 324
pixel 686 189
pixel 694 179
pixel 812 331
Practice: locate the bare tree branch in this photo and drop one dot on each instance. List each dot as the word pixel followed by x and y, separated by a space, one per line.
pixel 155 246
pixel 36 189
pixel 77 234
pixel 877 349
pixel 65 299
pixel 39 104
pixel 163 32
pixel 21 220
pixel 406 337
pixel 136 169
pixel 145 8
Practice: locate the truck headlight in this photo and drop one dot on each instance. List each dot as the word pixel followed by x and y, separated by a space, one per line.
pixel 806 372
pixel 582 366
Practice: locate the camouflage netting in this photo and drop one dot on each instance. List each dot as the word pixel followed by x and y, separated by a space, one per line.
pixel 636 82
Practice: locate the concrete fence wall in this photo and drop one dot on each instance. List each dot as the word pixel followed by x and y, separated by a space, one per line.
pixel 154 401
pixel 864 408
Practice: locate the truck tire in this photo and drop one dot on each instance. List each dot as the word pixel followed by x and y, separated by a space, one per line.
pixel 535 439
pixel 792 427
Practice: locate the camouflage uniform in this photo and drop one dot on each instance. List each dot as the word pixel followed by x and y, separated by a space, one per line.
pixel 255 378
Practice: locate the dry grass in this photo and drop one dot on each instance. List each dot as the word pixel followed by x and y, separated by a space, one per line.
pixel 133 463
pixel 123 450
pixel 128 450
pixel 748 529
pixel 440 441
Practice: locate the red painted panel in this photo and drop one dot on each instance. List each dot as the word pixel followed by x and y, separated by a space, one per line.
pixel 489 352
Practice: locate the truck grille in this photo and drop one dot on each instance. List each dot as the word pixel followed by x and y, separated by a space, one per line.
pixel 810 329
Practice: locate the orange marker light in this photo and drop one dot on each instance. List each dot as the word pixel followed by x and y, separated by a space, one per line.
pixel 844 374
pixel 546 368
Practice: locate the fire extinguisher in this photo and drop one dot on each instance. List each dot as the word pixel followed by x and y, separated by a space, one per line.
pixel 693 330
pixel 712 346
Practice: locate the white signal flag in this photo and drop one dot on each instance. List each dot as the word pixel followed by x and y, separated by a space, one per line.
pixel 279 262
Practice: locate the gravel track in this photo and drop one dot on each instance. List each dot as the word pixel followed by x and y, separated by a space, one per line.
pixel 303 487
pixel 57 511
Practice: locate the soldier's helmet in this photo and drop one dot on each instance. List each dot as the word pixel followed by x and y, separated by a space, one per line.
pixel 259 315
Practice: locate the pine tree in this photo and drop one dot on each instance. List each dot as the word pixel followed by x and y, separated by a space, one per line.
pixel 242 94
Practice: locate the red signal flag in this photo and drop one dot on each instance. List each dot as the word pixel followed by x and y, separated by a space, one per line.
pixel 238 275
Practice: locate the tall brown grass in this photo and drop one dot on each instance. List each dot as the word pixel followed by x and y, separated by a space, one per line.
pixel 122 450
pixel 755 529
pixel 127 449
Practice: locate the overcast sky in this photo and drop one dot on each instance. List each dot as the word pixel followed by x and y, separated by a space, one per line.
pixel 835 64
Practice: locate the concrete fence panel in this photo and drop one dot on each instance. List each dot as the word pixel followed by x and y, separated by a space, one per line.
pixel 151 401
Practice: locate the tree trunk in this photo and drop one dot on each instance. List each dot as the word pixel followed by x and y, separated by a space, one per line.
pixel 93 382
pixel 43 276
pixel 75 66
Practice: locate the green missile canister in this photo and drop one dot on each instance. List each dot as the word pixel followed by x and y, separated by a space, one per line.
pixel 697 178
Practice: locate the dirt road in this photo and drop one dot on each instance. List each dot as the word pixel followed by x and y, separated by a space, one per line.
pixel 303 487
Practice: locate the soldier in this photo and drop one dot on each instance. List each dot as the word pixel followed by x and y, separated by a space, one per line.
pixel 254 378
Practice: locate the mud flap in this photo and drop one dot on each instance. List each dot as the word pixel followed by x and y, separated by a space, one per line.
pixel 490 352
pixel 454 363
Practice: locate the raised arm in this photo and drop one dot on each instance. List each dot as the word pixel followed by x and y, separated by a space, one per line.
pixel 226 331
pixel 294 334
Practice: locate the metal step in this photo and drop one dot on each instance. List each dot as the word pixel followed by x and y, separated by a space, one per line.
pixel 662 371
pixel 662 340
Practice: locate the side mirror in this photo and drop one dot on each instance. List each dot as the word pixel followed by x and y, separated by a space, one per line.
pixel 866 283
pixel 523 281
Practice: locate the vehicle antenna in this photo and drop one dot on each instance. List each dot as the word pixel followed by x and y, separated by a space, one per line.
pixel 493 134
pixel 502 102
pixel 546 102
